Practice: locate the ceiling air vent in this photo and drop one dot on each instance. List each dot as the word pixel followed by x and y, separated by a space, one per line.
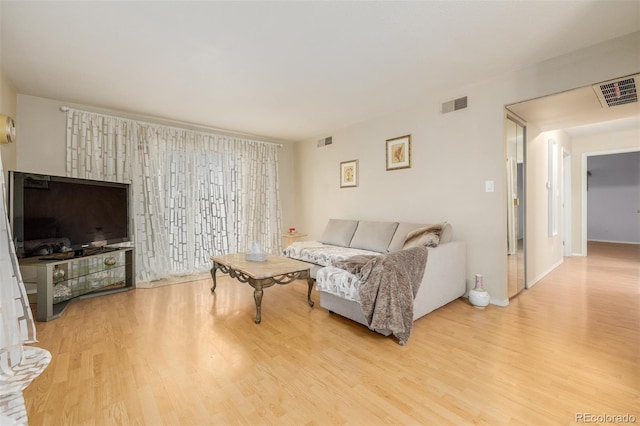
pixel 617 92
pixel 325 141
pixel 454 105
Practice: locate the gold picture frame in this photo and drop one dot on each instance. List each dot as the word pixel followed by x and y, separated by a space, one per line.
pixel 349 174
pixel 399 153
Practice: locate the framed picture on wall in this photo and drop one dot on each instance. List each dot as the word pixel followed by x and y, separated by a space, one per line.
pixel 399 153
pixel 349 174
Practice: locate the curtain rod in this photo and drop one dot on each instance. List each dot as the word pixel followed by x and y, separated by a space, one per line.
pixel 65 108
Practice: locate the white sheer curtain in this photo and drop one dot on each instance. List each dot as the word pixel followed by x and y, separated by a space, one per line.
pixel 19 364
pixel 16 321
pixel 194 194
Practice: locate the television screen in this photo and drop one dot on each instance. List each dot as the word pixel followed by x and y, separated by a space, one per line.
pixel 53 214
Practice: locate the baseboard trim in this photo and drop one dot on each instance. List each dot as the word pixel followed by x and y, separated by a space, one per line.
pixel 544 274
pixel 173 280
pixel 501 303
pixel 614 242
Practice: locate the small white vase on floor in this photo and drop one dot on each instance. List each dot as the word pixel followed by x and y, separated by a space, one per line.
pixel 478 296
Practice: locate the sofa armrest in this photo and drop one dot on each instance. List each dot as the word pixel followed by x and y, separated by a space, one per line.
pixel 444 277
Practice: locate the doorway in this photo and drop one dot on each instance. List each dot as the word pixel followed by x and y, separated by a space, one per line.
pixel 612 196
pixel 515 140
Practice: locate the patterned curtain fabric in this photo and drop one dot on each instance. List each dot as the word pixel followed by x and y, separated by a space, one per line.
pixel 16 321
pixel 19 364
pixel 194 194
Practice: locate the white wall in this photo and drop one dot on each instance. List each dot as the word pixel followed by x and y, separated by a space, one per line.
pixel 42 136
pixel 453 155
pixel 544 252
pixel 42 140
pixel 8 107
pixel 582 147
pixel 613 198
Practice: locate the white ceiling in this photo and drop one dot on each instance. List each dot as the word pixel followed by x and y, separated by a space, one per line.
pixel 284 70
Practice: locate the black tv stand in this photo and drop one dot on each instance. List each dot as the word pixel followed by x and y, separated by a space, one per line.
pixel 58 256
pixel 90 251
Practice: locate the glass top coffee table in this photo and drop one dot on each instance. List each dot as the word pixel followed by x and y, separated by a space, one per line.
pixel 260 275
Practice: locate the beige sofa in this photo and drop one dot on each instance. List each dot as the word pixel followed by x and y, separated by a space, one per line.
pixel 443 280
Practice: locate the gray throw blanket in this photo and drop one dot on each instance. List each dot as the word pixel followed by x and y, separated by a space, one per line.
pixel 389 284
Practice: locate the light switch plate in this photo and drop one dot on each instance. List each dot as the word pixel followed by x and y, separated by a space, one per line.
pixel 488 186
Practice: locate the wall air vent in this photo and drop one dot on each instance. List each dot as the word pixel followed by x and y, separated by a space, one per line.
pixel 325 141
pixel 454 105
pixel 617 92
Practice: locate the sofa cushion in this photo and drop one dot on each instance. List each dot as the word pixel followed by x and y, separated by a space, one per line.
pixel 322 254
pixel 374 236
pixel 339 232
pixel 428 236
pixel 338 282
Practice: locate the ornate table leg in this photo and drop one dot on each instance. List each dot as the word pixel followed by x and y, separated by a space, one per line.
pixel 213 275
pixel 257 295
pixel 310 282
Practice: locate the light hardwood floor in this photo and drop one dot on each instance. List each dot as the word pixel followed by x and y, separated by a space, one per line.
pixel 178 355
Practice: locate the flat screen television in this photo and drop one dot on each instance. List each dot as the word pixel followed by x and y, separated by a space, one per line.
pixel 54 214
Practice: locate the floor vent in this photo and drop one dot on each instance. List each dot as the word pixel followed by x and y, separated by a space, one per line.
pixel 454 105
pixel 617 92
pixel 325 141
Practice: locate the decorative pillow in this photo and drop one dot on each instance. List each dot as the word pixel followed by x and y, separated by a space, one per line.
pixel 374 236
pixel 429 236
pixel 339 232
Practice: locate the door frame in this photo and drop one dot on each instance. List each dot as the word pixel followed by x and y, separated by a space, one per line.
pixel 523 203
pixel 566 202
